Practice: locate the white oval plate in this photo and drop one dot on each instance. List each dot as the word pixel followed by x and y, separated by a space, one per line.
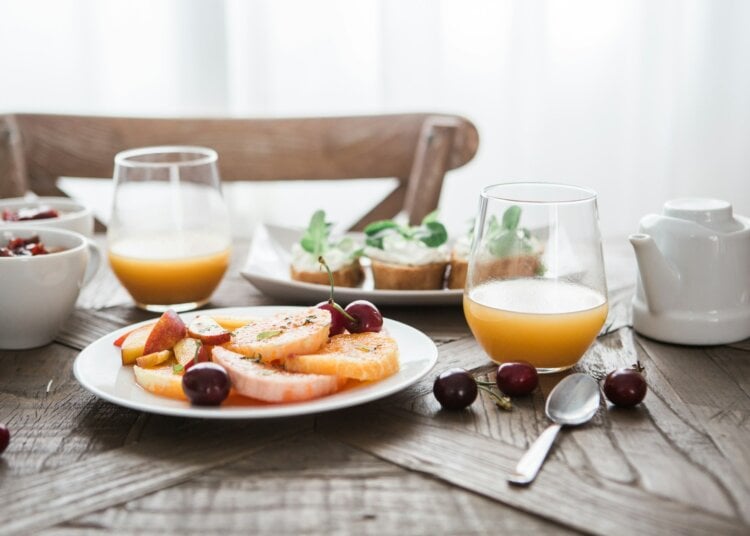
pixel 267 268
pixel 99 370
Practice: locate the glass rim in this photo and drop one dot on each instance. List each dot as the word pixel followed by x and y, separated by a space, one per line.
pixel 585 194
pixel 206 156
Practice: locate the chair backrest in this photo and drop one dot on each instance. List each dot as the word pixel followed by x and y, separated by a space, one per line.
pixel 416 149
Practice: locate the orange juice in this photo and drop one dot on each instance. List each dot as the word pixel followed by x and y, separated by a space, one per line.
pixel 546 322
pixel 170 270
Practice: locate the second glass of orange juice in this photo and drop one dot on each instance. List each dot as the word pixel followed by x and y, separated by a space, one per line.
pixel 535 289
pixel 169 236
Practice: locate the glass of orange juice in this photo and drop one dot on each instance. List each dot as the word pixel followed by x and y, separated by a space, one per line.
pixel 535 288
pixel 169 235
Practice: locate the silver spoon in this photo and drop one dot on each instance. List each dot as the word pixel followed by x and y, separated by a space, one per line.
pixel 573 401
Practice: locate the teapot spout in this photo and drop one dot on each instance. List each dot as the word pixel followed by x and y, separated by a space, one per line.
pixel 660 280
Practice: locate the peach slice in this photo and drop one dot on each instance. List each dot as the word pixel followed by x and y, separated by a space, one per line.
pixel 151 360
pixel 134 344
pixel 208 330
pixel 168 330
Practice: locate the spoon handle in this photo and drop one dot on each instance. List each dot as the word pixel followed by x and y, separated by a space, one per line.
pixel 530 463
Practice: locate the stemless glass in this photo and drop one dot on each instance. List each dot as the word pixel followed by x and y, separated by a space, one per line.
pixel 535 288
pixel 169 236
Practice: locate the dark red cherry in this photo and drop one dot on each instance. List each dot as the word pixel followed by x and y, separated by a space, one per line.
pixel 365 317
pixel 625 387
pixel 517 378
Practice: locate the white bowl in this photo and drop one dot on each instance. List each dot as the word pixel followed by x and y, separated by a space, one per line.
pixel 74 216
pixel 38 293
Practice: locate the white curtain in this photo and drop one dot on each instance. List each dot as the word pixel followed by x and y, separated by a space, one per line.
pixel 641 100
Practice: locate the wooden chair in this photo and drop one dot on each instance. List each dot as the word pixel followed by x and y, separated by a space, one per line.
pixel 416 149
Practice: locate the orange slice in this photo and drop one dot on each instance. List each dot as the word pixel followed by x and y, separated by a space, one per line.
pixel 276 337
pixel 360 356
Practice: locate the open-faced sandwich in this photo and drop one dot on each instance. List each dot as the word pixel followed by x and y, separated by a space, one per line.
pixel 341 255
pixel 507 251
pixel 408 257
pixel 459 263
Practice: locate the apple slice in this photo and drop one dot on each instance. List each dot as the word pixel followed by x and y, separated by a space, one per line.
pixel 168 330
pixel 151 360
pixel 121 339
pixel 190 351
pixel 134 344
pixel 161 380
pixel 208 330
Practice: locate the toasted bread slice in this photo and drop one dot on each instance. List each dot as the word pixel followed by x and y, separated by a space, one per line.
pixel 507 267
pixel 457 273
pixel 406 277
pixel 359 356
pixel 347 276
pixel 274 338
pixel 271 384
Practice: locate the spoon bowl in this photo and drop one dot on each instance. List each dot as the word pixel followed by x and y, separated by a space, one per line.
pixel 573 401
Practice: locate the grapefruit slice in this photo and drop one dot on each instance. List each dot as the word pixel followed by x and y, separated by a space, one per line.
pixel 250 377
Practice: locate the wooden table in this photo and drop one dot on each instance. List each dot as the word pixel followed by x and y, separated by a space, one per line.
pixel 678 464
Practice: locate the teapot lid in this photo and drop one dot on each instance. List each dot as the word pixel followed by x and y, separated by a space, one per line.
pixel 713 213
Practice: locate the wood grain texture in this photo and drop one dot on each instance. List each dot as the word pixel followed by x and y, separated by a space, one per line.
pixel 677 464
pixel 116 476
pixel 311 485
pixel 476 462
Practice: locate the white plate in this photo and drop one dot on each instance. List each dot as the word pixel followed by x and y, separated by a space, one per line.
pixel 267 267
pixel 98 369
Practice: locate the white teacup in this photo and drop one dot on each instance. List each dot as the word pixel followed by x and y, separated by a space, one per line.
pixel 73 216
pixel 38 293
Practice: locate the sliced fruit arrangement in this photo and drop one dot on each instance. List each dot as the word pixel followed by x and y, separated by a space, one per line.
pixel 288 357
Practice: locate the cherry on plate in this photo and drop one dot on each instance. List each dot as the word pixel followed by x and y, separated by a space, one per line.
pixel 206 384
pixel 365 317
pixel 455 389
pixel 338 321
pixel 516 378
pixel 625 387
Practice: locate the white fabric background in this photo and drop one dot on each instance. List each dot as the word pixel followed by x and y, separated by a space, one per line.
pixel 640 100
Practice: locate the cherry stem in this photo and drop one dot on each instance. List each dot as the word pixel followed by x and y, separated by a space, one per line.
pixel 335 305
pixel 482 382
pixel 501 401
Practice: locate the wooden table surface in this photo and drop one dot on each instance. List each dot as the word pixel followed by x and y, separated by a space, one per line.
pixel 677 464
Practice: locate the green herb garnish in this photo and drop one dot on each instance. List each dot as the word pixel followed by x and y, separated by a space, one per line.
pixel 263 335
pixel 506 239
pixel 430 232
pixel 315 239
pixel 176 369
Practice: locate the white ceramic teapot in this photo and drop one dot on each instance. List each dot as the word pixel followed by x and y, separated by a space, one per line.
pixel 694 273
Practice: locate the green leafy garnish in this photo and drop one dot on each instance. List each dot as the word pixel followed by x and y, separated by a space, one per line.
pixel 506 239
pixel 263 335
pixel 430 232
pixel 176 369
pixel 315 239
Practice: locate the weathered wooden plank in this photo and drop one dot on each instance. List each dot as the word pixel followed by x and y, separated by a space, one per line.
pixel 480 463
pixel 53 421
pixel 311 485
pixel 119 475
